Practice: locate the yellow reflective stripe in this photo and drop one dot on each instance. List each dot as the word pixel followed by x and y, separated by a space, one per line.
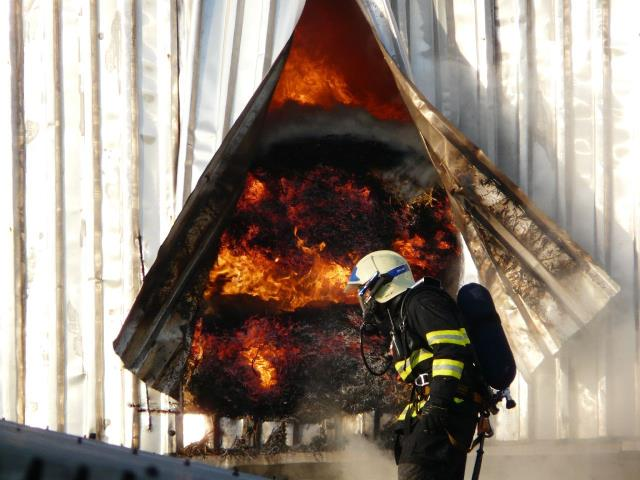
pixel 403 414
pixel 457 400
pixel 447 367
pixel 456 337
pixel 406 366
pixel 414 410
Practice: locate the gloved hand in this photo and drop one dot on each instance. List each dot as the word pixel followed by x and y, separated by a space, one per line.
pixel 434 418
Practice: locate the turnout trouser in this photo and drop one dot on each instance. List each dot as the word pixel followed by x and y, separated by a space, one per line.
pixel 437 456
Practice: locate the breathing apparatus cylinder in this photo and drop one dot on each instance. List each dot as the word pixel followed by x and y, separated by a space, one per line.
pixel 487 336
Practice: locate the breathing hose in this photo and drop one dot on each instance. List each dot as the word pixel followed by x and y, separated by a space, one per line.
pixel 364 358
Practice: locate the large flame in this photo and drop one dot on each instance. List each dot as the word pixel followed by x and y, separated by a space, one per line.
pixel 292 272
pixel 335 60
pixel 259 274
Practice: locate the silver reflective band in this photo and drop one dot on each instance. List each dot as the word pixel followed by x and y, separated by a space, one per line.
pixel 422 380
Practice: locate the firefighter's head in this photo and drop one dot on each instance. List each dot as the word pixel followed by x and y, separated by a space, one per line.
pixel 379 277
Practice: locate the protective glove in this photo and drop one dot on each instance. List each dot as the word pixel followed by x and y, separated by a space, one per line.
pixel 434 418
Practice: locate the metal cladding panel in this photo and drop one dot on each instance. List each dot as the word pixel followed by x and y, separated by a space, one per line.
pixel 230 47
pixel 11 244
pixel 93 149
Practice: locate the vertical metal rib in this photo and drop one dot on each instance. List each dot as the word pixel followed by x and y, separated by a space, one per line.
pixel 268 44
pixel 134 193
pixel 636 310
pixel 191 96
pixel 61 340
pixel 97 216
pixel 495 65
pixel 175 99
pixel 604 244
pixel 526 103
pixel 437 64
pixel 565 180
pixel 19 154
pixel 233 66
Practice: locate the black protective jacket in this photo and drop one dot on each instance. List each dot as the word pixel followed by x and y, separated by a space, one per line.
pixel 432 344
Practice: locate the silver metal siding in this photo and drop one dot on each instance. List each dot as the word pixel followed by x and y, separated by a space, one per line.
pixel 94 142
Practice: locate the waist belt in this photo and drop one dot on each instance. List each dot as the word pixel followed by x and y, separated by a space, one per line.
pixel 462 391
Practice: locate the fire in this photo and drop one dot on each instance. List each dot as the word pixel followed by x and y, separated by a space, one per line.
pixel 413 249
pixel 290 246
pixel 262 366
pixel 254 355
pixel 261 349
pixel 267 253
pixel 278 318
pixel 198 343
pixel 340 65
pixel 255 192
pixel 263 275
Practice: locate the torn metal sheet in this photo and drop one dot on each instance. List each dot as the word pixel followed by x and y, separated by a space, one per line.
pixel 546 286
pixel 155 340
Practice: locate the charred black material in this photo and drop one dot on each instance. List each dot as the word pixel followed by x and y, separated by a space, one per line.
pixel 321 375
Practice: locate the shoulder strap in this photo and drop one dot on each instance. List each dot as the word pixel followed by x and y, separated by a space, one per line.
pixel 426 282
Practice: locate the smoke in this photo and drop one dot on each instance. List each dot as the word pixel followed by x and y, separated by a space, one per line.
pixel 364 460
pixel 407 168
pixel 301 122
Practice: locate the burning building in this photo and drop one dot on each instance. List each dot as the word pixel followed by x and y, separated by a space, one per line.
pixel 337 154
pixel 337 170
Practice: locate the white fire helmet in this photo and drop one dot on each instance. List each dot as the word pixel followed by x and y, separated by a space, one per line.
pixel 382 263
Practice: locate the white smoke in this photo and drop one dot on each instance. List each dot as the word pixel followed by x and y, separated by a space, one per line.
pixel 363 460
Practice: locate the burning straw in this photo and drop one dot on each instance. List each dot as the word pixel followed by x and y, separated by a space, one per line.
pixel 278 335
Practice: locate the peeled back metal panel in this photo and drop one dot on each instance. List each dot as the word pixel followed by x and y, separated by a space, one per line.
pixel 539 267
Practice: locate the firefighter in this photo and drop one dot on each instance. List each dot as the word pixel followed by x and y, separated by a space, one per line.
pixel 431 351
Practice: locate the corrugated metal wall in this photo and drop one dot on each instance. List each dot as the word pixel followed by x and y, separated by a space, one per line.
pixel 114 108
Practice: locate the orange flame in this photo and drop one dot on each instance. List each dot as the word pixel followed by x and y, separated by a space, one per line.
pixel 307 275
pixel 412 249
pixel 198 343
pixel 257 353
pixel 262 366
pixel 259 274
pixel 260 350
pixel 335 60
